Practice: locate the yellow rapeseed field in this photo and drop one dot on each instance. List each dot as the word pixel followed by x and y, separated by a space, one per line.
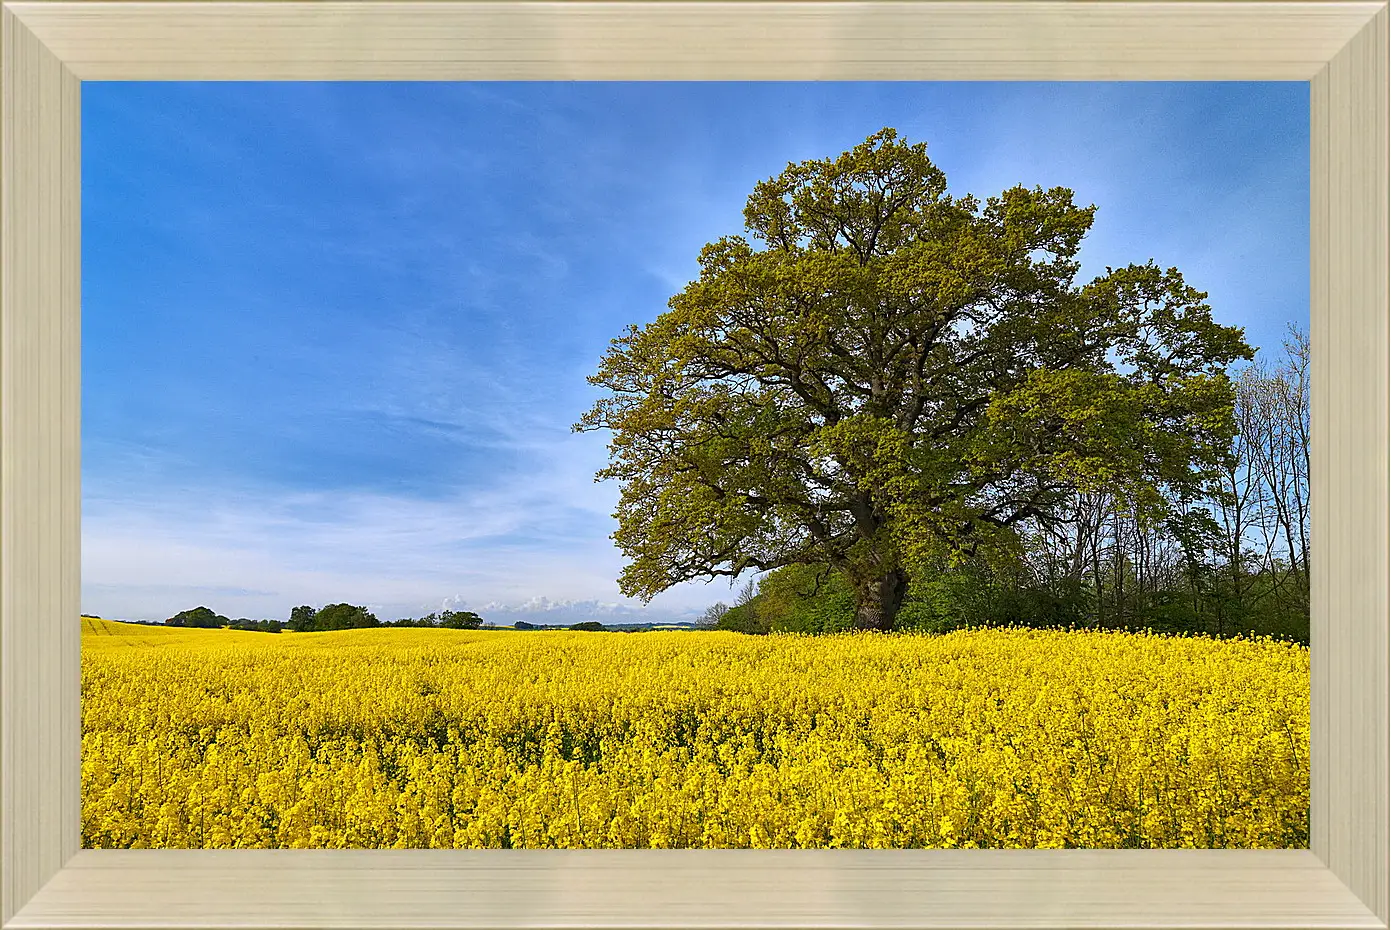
pixel 436 738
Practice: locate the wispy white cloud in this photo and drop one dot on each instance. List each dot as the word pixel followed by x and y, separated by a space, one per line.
pixel 530 541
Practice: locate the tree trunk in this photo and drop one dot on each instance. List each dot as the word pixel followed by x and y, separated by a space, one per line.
pixel 877 601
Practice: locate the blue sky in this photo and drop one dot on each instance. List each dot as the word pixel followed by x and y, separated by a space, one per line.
pixel 335 335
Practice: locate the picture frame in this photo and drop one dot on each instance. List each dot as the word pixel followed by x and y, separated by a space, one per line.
pixel 1343 880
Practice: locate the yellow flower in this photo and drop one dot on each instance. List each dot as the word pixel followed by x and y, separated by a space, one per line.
pixel 435 738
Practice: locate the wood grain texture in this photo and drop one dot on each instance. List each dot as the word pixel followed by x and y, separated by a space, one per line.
pixel 39 471
pixel 1342 881
pixel 696 888
pixel 700 40
pixel 1350 472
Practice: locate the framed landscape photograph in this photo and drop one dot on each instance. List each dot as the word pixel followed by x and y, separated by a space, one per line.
pixel 951 511
pixel 694 501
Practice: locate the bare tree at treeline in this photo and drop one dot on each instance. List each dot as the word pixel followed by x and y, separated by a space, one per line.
pixel 1264 507
pixel 1232 559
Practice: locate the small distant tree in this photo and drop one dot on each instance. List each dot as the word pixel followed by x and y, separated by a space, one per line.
pixel 301 620
pixel 747 594
pixel 744 617
pixel 460 620
pixel 200 617
pixel 712 615
pixel 523 625
pixel 331 617
pixel 256 626
pixel 344 617
pixel 591 626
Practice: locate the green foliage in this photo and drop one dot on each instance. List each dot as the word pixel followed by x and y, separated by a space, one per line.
pixel 974 595
pixel 806 599
pixel 205 618
pixel 592 626
pixel 344 617
pixel 885 379
pixel 460 620
pixel 977 595
pixel 301 619
pixel 523 625
pixel 1258 609
pixel 257 626
pixel 201 617
pixel 447 619
pixel 742 619
pixel 331 617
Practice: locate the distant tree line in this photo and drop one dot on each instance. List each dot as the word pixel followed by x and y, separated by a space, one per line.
pixel 588 626
pixel 207 619
pixel 306 619
pixel 1231 559
pixel 445 620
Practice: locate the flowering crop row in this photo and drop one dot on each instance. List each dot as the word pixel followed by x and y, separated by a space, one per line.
pixel 436 738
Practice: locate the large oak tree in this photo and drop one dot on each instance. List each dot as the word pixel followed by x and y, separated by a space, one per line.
pixel 884 377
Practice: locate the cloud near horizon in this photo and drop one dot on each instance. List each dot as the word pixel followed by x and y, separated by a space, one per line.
pixel 487 549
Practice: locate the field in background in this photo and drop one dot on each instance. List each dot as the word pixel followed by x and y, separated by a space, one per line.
pixel 435 738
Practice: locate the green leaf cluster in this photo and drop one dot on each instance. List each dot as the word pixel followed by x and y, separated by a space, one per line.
pixel 200 617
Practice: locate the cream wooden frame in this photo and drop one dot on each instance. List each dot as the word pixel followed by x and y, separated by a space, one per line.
pixel 49 48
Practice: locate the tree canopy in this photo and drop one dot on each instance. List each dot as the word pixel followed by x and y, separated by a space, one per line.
pixel 202 617
pixel 306 619
pixel 883 378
